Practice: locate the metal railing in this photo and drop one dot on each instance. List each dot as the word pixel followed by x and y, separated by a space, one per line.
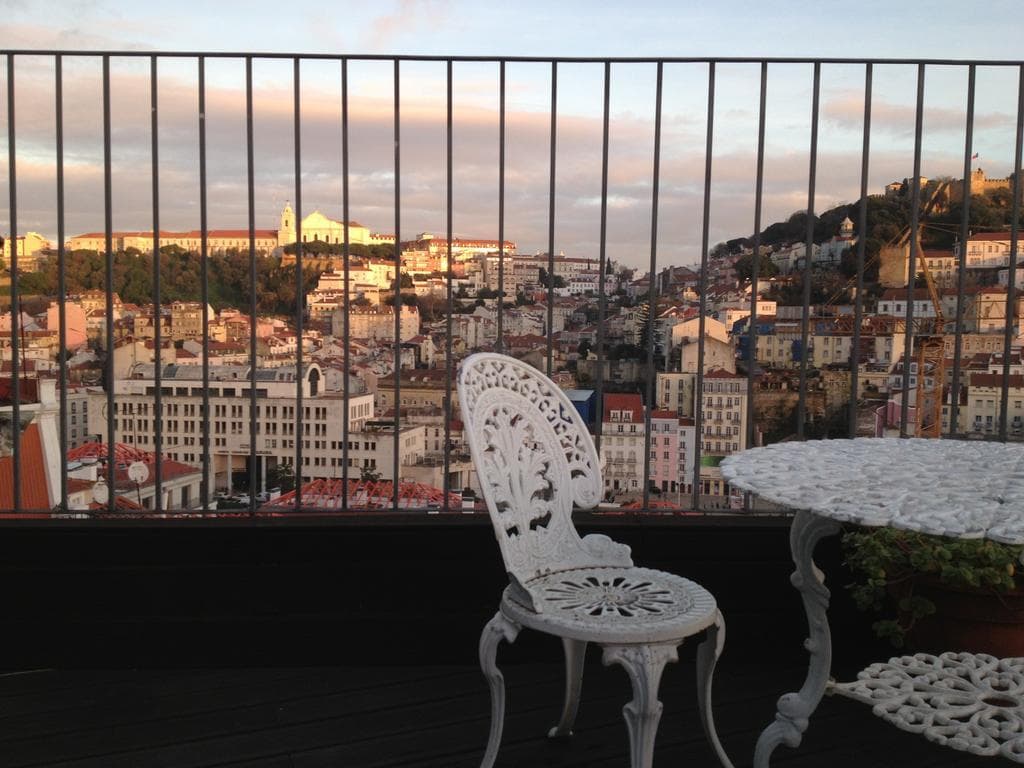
pixel 710 68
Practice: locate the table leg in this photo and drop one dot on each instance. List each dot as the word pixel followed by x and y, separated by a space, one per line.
pixel 795 709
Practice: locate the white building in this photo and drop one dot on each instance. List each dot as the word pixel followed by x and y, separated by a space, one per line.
pixel 276 421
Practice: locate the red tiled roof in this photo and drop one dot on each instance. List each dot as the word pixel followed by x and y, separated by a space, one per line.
pixel 1014 380
pixel 362 494
pixel 77 485
pixel 624 402
pixel 34 490
pixel 120 502
pixel 663 414
pixel 920 294
pixel 192 233
pixel 989 236
pixel 652 504
pixel 125 455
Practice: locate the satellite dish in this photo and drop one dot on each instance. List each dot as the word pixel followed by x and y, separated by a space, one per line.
pixel 138 472
pixel 100 492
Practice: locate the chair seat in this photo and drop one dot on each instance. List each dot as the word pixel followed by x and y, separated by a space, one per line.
pixel 614 605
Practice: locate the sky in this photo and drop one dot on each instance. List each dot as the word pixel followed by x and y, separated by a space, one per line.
pixel 938 29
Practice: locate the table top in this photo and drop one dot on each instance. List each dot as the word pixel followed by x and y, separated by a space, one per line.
pixel 955 488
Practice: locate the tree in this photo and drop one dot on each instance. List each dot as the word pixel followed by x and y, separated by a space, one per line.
pixel 745 264
pixel 848 261
pixel 626 352
pixel 583 350
pixel 281 476
pixel 368 475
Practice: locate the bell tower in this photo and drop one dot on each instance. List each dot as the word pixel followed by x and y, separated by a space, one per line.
pixel 286 232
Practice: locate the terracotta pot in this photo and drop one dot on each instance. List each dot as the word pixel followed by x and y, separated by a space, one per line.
pixel 964 620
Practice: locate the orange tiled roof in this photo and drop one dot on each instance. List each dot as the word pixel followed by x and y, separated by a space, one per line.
pixel 364 495
pixel 125 455
pixel 34 490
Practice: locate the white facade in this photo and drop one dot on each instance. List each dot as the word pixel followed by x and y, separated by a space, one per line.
pixel 276 420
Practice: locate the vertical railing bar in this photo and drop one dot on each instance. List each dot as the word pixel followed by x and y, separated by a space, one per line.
pixel 346 247
pixel 300 416
pixel 755 271
pixel 12 180
pixel 551 219
pixel 649 441
pixel 602 257
pixel 698 410
pixel 805 317
pixel 61 280
pixel 915 204
pixel 501 205
pixel 448 351
pixel 108 234
pixel 205 277
pixel 158 433
pixel 251 183
pixel 961 278
pixel 1011 289
pixel 398 284
pixel 862 228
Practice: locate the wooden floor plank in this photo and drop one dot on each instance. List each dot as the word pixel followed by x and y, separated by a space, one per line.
pixel 149 700
pixel 419 717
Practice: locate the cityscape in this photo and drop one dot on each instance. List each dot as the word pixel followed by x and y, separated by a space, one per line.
pixel 379 409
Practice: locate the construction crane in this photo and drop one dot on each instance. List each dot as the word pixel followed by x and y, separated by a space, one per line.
pixel 931 355
pixel 927 332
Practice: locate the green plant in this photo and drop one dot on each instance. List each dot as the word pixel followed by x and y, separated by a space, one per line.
pixel 889 564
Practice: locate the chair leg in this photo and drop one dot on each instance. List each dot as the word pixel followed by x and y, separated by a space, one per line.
pixel 499 628
pixel 575 654
pixel 644 665
pixel 707 657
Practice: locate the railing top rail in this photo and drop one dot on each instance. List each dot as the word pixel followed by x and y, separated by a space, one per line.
pixel 140 53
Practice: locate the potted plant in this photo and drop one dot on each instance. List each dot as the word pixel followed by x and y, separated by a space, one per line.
pixel 944 594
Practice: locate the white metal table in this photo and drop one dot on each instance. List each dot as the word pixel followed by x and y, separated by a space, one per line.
pixel 952 488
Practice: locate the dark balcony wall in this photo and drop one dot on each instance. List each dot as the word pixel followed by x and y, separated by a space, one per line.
pixel 397 590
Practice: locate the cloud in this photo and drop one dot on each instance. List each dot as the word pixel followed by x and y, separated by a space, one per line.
pixel 423 159
pixel 846 110
pixel 419 16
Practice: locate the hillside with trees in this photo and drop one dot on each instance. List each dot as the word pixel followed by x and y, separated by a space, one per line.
pixel 180 278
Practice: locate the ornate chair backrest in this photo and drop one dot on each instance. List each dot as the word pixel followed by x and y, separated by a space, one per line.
pixel 534 458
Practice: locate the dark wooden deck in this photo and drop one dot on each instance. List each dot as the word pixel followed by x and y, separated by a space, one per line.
pixel 354 645
pixel 410 716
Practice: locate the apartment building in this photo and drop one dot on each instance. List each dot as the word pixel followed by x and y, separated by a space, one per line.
pixel 724 404
pixel 725 412
pixel 674 392
pixel 623 442
pixel 981 408
pixel 665 452
pixel 229 418
pixel 376 322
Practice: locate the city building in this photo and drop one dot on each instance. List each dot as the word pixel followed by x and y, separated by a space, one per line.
pixel 623 443
pixel 30 249
pixel 229 420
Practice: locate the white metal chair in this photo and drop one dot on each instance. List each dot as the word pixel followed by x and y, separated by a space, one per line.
pixel 535 459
